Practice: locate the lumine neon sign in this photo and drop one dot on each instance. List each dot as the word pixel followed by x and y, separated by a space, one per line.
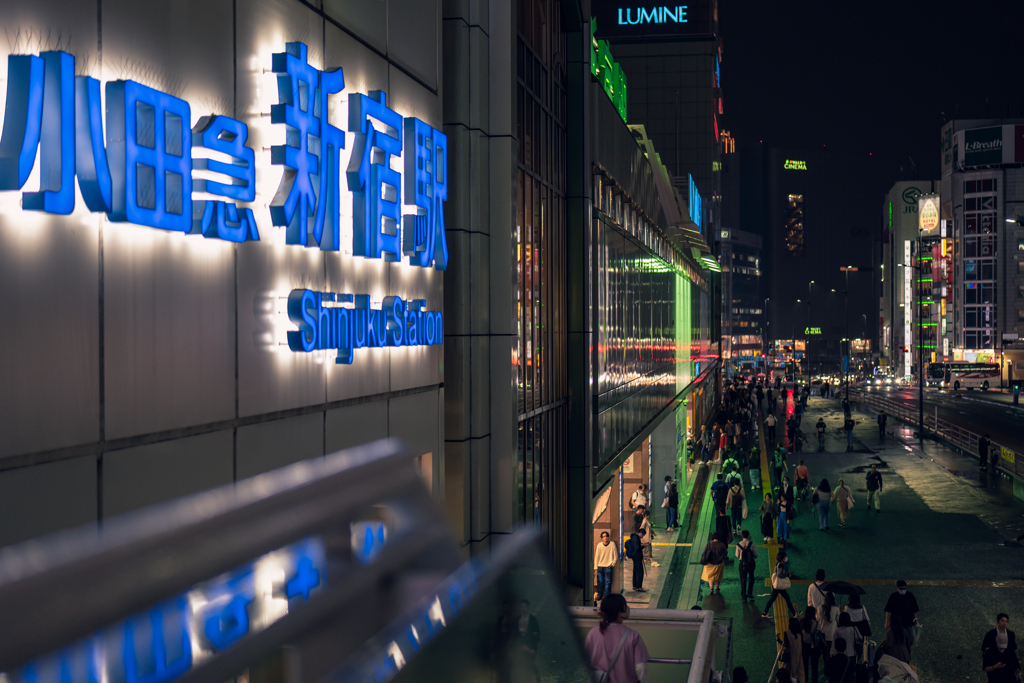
pixel 655 15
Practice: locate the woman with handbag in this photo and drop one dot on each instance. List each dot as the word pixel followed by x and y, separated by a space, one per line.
pixel 713 560
pixel 780 587
pixel 617 653
pixel 843 497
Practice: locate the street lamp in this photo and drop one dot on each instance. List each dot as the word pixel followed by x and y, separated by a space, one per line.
pixel 920 357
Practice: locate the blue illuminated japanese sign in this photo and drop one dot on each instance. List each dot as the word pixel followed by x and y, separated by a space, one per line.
pixel 177 635
pixel 323 323
pixel 141 170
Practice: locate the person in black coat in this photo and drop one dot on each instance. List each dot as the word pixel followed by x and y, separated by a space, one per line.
pixel 1000 658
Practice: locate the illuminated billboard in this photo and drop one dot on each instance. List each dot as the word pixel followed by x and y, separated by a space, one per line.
pixel 928 215
pixel 624 19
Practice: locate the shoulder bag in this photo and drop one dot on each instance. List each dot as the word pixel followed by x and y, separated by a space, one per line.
pixel 599 676
pixel 780 579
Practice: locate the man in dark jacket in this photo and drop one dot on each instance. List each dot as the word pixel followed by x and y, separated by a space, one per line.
pixel 874 481
pixel 983 444
pixel 999 652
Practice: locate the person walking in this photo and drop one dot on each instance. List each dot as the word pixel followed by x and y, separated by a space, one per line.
pixel 672 511
pixel 843 497
pixel 858 616
pixel 736 503
pixel 614 648
pixel 822 499
pixel 783 519
pixel 882 420
pixel 821 428
pixel 803 480
pixel 768 513
pixel 811 646
pixel 845 632
pixel 780 585
pixel 793 651
pixel 895 643
pixel 828 620
pixel 779 464
pixel 754 467
pixel 903 605
pixel 791 425
pixel 815 594
pixel 874 483
pixel 719 491
pixel 983 446
pixel 746 553
pixel 840 668
pixel 848 426
pixel 713 560
pixel 769 423
pixel 606 556
pixel 1000 658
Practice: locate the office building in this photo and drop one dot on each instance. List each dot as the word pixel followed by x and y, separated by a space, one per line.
pixel 983 195
pixel 905 301
pixel 822 254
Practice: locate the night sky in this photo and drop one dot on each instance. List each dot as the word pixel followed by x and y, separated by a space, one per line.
pixel 877 76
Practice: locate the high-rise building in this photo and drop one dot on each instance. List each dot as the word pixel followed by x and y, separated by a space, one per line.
pixel 672 65
pixel 983 195
pixel 822 253
pixel 742 305
pixel 901 306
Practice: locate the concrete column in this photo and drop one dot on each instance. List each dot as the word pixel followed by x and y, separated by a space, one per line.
pixel 479 120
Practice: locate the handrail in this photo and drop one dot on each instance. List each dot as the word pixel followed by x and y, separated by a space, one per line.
pixel 62 588
pixel 700 663
pixel 964 439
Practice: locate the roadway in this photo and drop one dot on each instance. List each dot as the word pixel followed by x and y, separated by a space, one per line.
pixel 981 412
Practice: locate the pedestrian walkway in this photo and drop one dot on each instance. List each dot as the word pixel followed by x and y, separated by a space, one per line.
pixel 942 528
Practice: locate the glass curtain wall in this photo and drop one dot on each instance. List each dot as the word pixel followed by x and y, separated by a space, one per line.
pixel 540 255
pixel 650 341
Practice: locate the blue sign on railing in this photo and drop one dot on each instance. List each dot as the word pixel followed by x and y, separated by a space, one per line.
pixel 173 637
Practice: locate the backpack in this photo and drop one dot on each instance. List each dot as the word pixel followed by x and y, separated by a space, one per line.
pixel 716 491
pixel 779 460
pixel 632 546
pixel 746 555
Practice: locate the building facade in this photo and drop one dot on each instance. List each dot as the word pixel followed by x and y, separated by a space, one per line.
pixel 822 254
pixel 340 224
pixel 742 304
pixel 905 302
pixel 221 248
pixel 983 196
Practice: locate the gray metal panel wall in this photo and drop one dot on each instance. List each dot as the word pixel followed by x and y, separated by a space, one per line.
pixel 138 364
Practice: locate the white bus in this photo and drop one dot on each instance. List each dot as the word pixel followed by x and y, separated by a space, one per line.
pixel 959 374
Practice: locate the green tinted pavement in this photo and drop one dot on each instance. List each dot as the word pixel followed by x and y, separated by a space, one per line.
pixel 942 532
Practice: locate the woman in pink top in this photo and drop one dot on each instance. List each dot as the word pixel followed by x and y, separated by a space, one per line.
pixel 625 664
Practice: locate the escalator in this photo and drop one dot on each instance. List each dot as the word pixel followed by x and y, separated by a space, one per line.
pixel 331 570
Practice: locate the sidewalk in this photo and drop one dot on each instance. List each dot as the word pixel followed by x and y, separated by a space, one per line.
pixel 942 528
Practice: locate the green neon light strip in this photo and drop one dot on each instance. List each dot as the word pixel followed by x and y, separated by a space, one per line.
pixel 926 324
